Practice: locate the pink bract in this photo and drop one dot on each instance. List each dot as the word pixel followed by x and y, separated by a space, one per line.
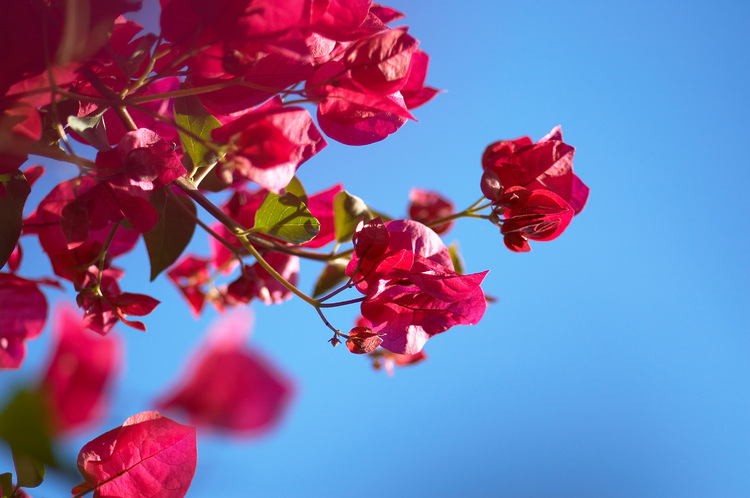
pixel 411 289
pixel 23 312
pixel 229 386
pixel 148 456
pixel 545 165
pixel 80 372
pixel 426 207
pixel 269 143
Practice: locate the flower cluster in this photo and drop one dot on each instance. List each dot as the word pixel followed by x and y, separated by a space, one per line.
pixel 533 186
pixel 231 98
pixel 411 289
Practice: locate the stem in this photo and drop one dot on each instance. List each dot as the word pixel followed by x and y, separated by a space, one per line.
pixel 109 94
pixel 191 190
pixel 209 230
pixel 342 303
pixel 466 213
pixel 336 332
pixel 103 256
pixel 294 290
pixel 38 149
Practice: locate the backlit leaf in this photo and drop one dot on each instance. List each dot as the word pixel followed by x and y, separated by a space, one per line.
pixel 29 471
pixel 295 187
pixel 287 218
pixel 458 262
pixel 92 129
pixel 332 276
pixel 348 210
pixel 171 235
pixel 14 189
pixel 190 114
pixel 25 426
pixel 6 484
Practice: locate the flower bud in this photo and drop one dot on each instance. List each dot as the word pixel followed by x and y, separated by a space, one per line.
pixel 363 340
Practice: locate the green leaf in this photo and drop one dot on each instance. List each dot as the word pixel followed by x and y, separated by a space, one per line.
pixel 30 471
pixel 14 189
pixel 92 129
pixel 287 218
pixel 295 187
pixel 348 210
pixel 191 115
pixel 168 239
pixel 6 485
pixel 25 426
pixel 331 277
pixel 458 262
pixel 383 217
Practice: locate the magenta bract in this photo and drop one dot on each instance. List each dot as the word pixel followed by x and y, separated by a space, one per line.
pixel 411 289
pixel 148 456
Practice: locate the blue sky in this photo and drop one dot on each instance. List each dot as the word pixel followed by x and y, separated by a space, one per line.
pixel 615 362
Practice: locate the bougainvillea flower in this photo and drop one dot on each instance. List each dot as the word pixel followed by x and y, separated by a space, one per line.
pixel 426 207
pixel 414 92
pixel 545 165
pixel 363 340
pixel 533 214
pixel 230 387
pixel 411 289
pixel 189 275
pixel 80 372
pixel 104 307
pixel 351 114
pixel 268 144
pixel 380 63
pixel 256 282
pixel 339 19
pixel 23 311
pixel 144 158
pixel 149 456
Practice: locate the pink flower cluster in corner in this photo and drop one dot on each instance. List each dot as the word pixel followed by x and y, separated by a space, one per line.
pixel 533 186
pixel 411 289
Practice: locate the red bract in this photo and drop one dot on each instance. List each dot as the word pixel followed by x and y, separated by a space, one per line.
pixel 148 456
pixel 229 386
pixel 381 62
pixel 269 143
pixel 105 306
pixel 80 372
pixel 189 276
pixel 414 92
pixel 256 282
pixel 144 160
pixel 351 114
pixel 23 311
pixel 546 165
pixel 427 207
pixel 339 19
pixel 537 215
pixel 362 340
pixel 411 290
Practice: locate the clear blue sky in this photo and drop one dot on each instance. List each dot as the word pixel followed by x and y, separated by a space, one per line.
pixel 615 362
